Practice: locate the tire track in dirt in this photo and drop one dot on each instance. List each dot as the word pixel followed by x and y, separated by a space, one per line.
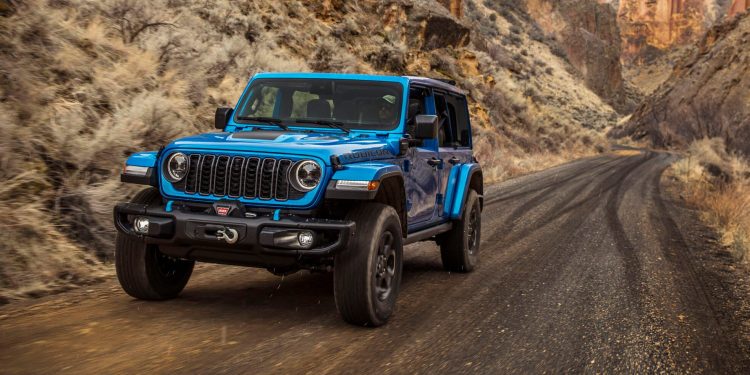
pixel 571 280
pixel 506 283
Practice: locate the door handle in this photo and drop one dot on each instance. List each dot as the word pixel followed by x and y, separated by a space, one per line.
pixel 434 162
pixel 454 160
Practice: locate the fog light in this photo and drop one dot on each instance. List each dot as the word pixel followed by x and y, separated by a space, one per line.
pixel 140 224
pixel 306 238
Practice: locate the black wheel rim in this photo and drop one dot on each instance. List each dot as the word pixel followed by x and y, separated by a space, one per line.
pixel 167 266
pixel 473 230
pixel 385 267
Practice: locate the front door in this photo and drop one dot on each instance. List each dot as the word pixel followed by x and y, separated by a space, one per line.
pixel 422 186
pixel 421 172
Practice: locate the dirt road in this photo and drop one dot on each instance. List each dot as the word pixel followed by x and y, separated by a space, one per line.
pixel 586 267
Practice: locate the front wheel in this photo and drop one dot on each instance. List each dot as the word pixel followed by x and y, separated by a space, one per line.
pixel 143 271
pixel 367 275
pixel 459 248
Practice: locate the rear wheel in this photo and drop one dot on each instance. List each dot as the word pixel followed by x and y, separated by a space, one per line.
pixel 367 275
pixel 459 248
pixel 143 271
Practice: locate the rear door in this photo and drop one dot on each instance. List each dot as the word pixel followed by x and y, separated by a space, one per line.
pixel 454 145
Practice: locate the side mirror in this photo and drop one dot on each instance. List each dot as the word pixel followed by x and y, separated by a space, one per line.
pixel 426 127
pixel 221 119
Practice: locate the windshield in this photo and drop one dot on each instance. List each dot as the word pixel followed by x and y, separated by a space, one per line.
pixel 347 104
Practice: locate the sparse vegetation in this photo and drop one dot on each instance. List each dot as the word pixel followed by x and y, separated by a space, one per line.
pixel 718 183
pixel 85 83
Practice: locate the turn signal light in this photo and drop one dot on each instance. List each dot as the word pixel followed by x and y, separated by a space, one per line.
pixel 357 185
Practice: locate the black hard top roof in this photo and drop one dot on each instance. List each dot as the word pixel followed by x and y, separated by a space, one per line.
pixel 431 82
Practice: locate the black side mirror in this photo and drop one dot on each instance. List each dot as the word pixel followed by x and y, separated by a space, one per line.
pixel 426 127
pixel 221 119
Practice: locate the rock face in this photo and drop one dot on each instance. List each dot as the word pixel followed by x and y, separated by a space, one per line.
pixel 649 27
pixel 738 6
pixel 454 6
pixel 588 32
pixel 439 31
pixel 707 95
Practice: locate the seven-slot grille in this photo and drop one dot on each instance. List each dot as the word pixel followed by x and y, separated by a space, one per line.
pixel 248 177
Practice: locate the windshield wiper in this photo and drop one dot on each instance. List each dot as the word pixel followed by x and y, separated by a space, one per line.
pixel 334 124
pixel 265 120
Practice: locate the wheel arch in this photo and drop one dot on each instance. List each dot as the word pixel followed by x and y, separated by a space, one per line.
pixel 390 188
pixel 391 192
pixel 470 177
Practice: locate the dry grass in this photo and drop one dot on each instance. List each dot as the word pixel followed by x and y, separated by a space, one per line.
pixel 84 83
pixel 718 184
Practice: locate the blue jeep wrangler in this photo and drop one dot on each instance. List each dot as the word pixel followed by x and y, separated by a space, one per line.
pixel 324 172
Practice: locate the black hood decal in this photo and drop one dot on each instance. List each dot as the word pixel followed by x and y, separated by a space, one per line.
pixel 365 155
pixel 267 135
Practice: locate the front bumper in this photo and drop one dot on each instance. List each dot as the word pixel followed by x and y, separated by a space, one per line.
pixel 182 233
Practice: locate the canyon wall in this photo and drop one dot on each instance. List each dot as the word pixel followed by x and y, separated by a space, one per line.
pixel 707 95
pixel 587 30
pixel 738 6
pixel 649 27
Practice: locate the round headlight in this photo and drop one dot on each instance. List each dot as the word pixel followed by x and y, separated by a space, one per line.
pixel 177 167
pixel 305 175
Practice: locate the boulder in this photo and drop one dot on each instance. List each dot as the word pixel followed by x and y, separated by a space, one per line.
pixel 438 29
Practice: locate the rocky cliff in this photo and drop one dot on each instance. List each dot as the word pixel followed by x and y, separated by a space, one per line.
pixel 588 33
pixel 649 27
pixel 738 6
pixel 706 96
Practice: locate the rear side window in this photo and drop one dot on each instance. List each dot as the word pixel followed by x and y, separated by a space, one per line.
pixel 454 120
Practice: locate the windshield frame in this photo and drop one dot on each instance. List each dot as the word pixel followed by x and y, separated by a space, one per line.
pixel 392 83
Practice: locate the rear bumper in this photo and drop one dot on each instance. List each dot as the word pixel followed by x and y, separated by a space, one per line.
pixel 193 235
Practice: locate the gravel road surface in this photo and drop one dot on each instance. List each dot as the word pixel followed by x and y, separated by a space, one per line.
pixel 586 267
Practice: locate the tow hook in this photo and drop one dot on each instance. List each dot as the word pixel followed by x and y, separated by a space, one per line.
pixel 227 235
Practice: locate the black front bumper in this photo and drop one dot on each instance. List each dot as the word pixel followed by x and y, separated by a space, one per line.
pixel 192 235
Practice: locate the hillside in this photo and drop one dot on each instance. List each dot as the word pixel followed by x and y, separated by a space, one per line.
pixel 85 83
pixel 706 96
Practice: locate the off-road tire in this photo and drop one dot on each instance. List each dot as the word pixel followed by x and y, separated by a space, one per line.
pixel 459 248
pixel 374 254
pixel 143 271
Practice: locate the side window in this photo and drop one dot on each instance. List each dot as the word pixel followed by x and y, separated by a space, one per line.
pixel 444 120
pixel 459 121
pixel 417 107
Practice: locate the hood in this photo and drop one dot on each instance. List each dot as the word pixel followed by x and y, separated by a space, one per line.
pixel 348 147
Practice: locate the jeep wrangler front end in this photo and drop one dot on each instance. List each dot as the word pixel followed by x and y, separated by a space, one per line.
pixel 309 171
